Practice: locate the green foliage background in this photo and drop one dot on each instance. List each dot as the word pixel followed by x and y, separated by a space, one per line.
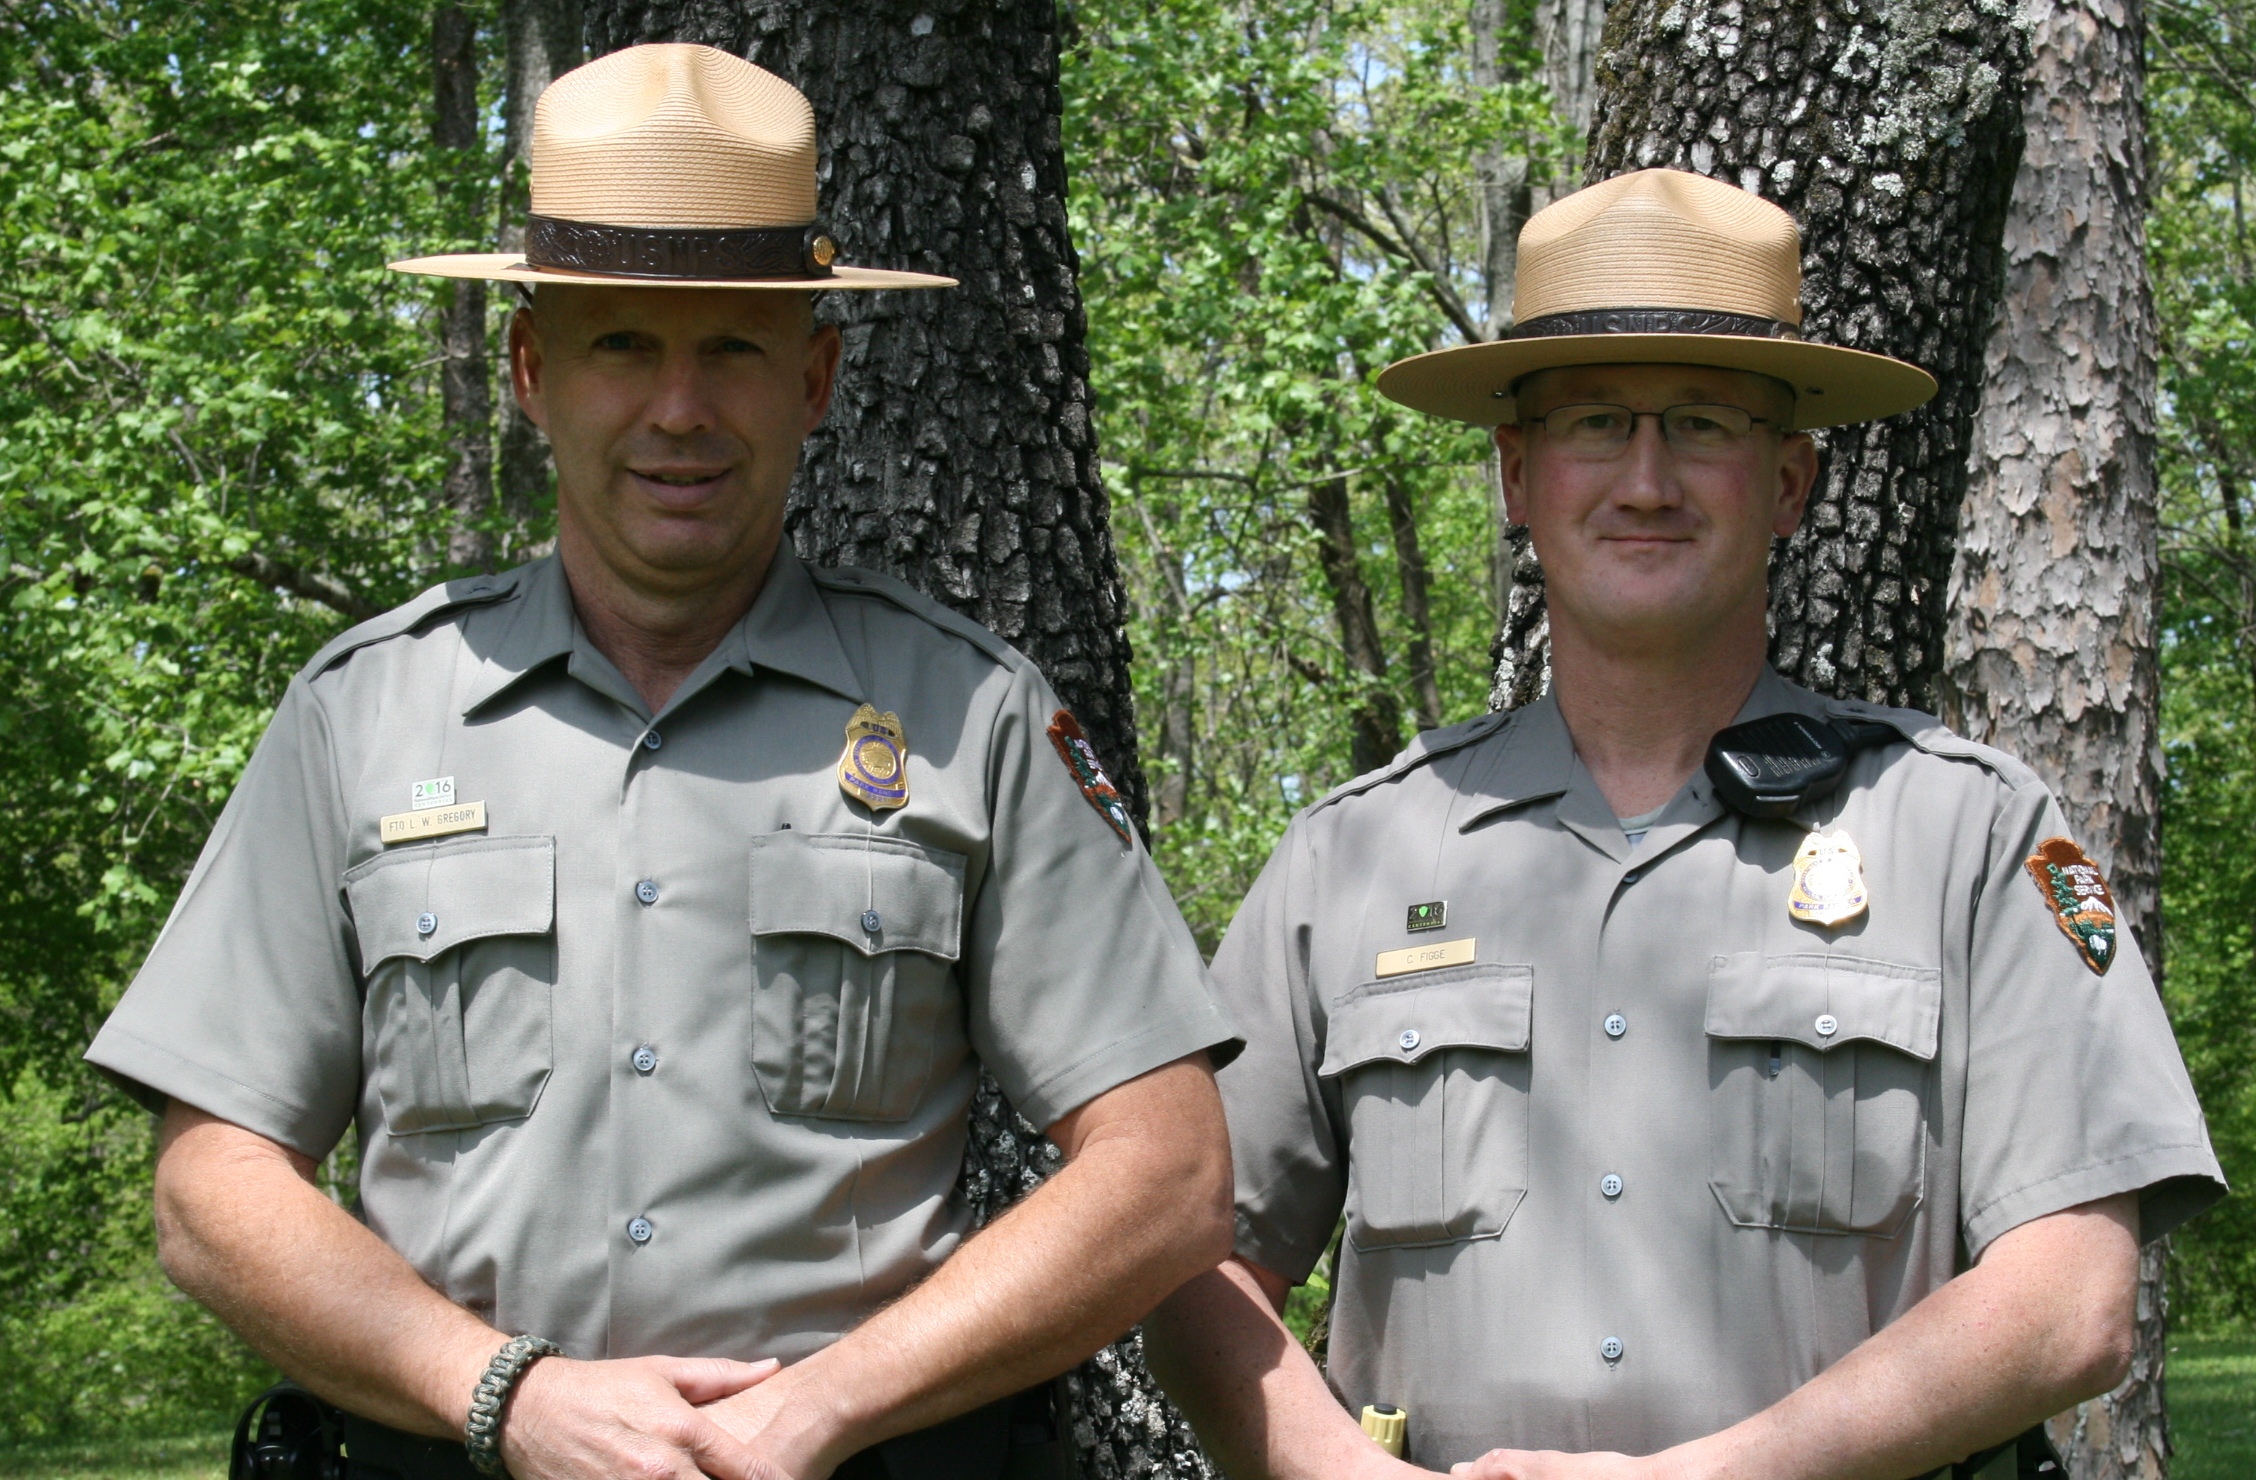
pixel 203 366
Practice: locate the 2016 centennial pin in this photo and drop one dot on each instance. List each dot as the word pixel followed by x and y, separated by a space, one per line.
pixel 874 768
pixel 1828 880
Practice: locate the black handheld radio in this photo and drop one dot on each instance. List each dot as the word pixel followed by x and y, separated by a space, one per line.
pixel 1768 767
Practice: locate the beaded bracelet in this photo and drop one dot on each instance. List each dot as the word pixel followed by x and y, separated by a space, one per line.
pixel 482 1435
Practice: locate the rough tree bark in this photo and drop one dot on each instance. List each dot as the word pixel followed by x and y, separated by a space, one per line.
pixel 2051 652
pixel 959 454
pixel 1891 129
pixel 465 392
pixel 541 39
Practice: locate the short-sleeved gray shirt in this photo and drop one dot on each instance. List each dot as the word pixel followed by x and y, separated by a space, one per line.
pixel 674 1054
pixel 1650 1114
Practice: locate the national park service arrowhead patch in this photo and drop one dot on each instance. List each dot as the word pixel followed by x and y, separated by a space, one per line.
pixel 2078 897
pixel 874 768
pixel 1080 758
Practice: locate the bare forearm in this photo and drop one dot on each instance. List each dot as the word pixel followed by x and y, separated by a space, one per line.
pixel 1253 1393
pixel 2042 1323
pixel 242 1228
pixel 1140 1207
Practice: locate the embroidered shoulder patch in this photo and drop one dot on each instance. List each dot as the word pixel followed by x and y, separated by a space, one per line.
pixel 1080 758
pixel 2079 900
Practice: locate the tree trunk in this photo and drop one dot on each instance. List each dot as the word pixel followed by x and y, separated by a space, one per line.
pixel 1417 613
pixel 1376 718
pixel 959 454
pixel 1567 32
pixel 541 40
pixel 465 391
pixel 1891 129
pixel 1500 175
pixel 2052 649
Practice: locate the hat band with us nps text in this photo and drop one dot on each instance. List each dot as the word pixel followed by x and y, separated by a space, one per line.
pixel 752 253
pixel 1654 321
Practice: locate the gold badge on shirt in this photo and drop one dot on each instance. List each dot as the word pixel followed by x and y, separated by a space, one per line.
pixel 874 770
pixel 1828 880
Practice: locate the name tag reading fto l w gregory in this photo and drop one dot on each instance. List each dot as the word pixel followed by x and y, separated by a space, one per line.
pixel 433 822
pixel 1425 958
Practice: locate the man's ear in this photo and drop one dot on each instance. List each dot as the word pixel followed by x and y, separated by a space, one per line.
pixel 823 350
pixel 1511 462
pixel 526 365
pixel 1797 477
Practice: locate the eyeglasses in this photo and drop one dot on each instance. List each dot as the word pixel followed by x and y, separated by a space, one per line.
pixel 1599 432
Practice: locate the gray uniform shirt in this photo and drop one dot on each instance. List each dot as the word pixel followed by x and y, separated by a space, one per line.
pixel 1654 1153
pixel 673 1055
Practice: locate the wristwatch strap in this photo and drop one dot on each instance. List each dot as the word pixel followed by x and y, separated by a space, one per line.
pixel 482 1435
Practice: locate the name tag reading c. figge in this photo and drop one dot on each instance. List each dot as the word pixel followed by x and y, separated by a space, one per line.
pixel 1425 958
pixel 432 822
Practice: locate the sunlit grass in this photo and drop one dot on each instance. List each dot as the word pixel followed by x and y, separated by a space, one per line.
pixel 179 1457
pixel 2213 1407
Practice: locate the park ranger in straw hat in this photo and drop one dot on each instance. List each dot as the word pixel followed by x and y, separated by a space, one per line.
pixel 1783 1102
pixel 651 908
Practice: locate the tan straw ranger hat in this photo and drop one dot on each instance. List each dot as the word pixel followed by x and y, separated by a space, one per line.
pixel 1659 267
pixel 673 166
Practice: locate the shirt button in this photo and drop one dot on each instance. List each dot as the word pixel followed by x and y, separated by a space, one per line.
pixel 1827 1025
pixel 425 923
pixel 645 1059
pixel 1611 1348
pixel 1630 877
pixel 1409 1039
pixel 871 921
pixel 639 1229
pixel 1616 1025
pixel 1610 1184
pixel 647 891
pixel 651 740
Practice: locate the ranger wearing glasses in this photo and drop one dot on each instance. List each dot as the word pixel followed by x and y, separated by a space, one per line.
pixel 1679 1135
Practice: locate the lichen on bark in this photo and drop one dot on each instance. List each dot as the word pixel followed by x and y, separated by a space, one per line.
pixel 1891 130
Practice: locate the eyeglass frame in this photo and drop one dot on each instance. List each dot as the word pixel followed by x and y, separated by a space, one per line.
pixel 1634 415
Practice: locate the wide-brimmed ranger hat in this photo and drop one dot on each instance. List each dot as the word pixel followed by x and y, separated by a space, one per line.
pixel 673 166
pixel 1659 267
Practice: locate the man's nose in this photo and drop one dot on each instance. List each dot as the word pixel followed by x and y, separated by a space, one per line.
pixel 1648 467
pixel 681 403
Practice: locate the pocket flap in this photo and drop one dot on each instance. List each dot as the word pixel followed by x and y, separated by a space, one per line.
pixel 1824 1001
pixel 465 890
pixel 821 883
pixel 1478 1006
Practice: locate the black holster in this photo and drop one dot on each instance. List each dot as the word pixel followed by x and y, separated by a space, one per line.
pixel 288 1434
pixel 2028 1456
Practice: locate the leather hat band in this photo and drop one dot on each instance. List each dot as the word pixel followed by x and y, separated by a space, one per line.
pixel 1654 321
pixel 757 253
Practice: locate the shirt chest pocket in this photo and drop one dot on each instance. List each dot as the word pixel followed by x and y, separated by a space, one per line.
pixel 1432 1076
pixel 1820 1069
pixel 854 998
pixel 458 952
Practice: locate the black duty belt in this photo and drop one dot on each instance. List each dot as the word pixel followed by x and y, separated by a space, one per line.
pixel 288 1434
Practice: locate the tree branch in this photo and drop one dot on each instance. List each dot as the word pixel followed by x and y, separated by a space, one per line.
pixel 1407 252
pixel 311 585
